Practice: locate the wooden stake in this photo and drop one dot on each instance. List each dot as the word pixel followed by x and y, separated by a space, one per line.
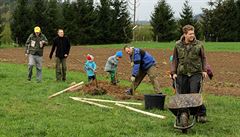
pixel 110 101
pixel 60 92
pixel 140 111
pixel 89 102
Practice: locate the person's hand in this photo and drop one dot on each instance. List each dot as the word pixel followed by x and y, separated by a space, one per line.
pixel 26 55
pixel 42 43
pixel 65 55
pixel 132 64
pixel 133 78
pixel 174 76
pixel 204 74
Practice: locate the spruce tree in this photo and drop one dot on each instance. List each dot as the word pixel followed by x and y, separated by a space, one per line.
pixel 86 18
pixel 90 18
pixel 186 17
pixel 39 14
pixel 207 24
pixel 217 19
pixel 70 22
pixel 163 23
pixel 121 22
pixel 230 22
pixel 1 27
pixel 225 23
pixel 21 24
pixel 53 18
pixel 238 18
pixel 103 22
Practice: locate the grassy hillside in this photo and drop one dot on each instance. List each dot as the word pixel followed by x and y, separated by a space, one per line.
pixel 26 112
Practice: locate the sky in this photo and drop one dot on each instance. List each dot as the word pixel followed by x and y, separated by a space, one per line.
pixel 146 7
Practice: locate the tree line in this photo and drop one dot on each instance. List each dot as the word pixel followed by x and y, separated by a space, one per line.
pixel 84 21
pixel 109 21
pixel 219 22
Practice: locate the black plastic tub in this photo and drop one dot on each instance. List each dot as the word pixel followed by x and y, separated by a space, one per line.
pixel 154 101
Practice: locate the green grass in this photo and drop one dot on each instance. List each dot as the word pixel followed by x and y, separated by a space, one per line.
pixel 209 46
pixel 26 112
pixel 143 33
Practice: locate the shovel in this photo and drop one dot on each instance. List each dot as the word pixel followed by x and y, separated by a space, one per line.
pixel 96 79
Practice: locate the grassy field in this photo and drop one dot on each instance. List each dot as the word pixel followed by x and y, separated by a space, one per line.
pixel 209 46
pixel 26 112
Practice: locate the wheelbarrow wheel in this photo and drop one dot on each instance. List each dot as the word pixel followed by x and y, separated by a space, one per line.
pixel 184 119
pixel 184 131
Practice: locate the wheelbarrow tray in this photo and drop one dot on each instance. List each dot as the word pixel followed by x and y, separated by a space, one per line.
pixel 185 101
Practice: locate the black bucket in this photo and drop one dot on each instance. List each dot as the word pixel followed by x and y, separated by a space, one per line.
pixel 154 101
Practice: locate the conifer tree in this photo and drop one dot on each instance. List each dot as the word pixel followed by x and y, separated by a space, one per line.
pixel 163 23
pixel 21 24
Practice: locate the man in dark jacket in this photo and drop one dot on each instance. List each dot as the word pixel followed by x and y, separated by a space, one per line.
pixel 189 65
pixel 34 50
pixel 62 45
pixel 142 64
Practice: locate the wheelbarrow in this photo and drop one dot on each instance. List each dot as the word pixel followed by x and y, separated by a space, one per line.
pixel 185 108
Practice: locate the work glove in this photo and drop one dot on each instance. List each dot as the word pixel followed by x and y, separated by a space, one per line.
pixel 174 76
pixel 204 74
pixel 133 78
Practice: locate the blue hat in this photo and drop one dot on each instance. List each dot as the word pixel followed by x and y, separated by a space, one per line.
pixel 119 54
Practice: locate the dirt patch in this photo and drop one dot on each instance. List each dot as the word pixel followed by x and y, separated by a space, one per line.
pixel 113 90
pixel 225 66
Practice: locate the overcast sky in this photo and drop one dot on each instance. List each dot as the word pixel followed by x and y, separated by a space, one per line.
pixel 146 7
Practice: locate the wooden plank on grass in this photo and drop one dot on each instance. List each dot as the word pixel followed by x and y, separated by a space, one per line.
pixel 110 101
pixel 140 111
pixel 62 91
pixel 89 102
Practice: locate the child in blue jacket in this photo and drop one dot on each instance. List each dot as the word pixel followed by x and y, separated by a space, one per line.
pixel 90 67
pixel 111 66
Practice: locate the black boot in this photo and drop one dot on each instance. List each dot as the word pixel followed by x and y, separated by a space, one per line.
pixel 129 92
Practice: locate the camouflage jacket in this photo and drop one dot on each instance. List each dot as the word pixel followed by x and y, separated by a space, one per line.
pixel 35 45
pixel 188 59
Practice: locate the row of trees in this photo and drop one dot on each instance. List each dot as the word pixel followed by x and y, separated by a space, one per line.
pixel 1 27
pixel 108 21
pixel 166 27
pixel 219 22
pixel 84 21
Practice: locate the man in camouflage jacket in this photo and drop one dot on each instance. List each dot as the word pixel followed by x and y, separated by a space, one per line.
pixel 189 65
pixel 34 50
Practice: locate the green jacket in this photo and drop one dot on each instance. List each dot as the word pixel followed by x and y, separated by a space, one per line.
pixel 188 59
pixel 35 45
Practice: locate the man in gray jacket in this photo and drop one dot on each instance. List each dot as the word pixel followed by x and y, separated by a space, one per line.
pixel 111 66
pixel 34 50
